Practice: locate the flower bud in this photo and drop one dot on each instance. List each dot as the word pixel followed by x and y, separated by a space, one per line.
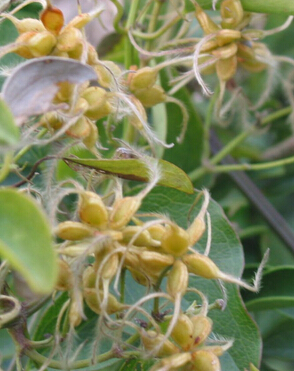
pixel 154 262
pixel 110 267
pixel 73 231
pixel 144 78
pixel 52 120
pixel 156 231
pixel 91 140
pixel 226 68
pixel 92 210
pixel 226 51
pixel 231 13
pixel 174 362
pixel 202 327
pixel 123 211
pixel 89 278
pixel 80 129
pixel 175 240
pixel 64 280
pixel 91 299
pixel 107 72
pixel 76 306
pixel 151 340
pixel 196 230
pixel 151 97
pixel 22 47
pixel 225 37
pixel 133 118
pixel 141 278
pixel 182 333
pixel 206 23
pixel 53 20
pixel 97 99
pixel 204 360
pixel 247 59
pixel 143 239
pixel 177 280
pixel 41 44
pixel 201 265
pixel 69 39
pixel 26 24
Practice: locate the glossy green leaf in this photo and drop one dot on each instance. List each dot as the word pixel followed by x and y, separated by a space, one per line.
pixel 277 290
pixel 226 251
pixel 9 133
pixel 257 6
pixel 25 240
pixel 134 169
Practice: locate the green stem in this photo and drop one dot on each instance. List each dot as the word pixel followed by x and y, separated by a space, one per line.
pixel 240 167
pixel 207 123
pixel 153 22
pixel 122 285
pixel 276 115
pixel 5 169
pixel 118 17
pixel 159 32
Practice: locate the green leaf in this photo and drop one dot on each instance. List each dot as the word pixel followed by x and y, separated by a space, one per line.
pixel 257 6
pixel 9 133
pixel 277 290
pixel 25 240
pixel 133 169
pixel 226 251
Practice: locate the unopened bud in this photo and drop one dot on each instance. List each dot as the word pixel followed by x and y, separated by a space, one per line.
pixel 52 19
pixel 202 327
pixel 151 341
pixel 75 311
pixel 247 59
pixel 226 51
pixel 64 280
pixel 226 68
pixel 92 210
pixel 110 267
pixel 206 23
pixel 97 99
pixel 151 97
pixel 155 262
pixel 26 24
pixel 80 129
pixel 201 265
pixel 73 231
pixel 89 278
pixel 94 304
pixel 174 362
pixel 196 230
pixel 22 43
pixel 107 72
pixel 175 240
pixel 143 238
pixel 123 211
pixel 144 78
pixel 133 118
pixel 204 360
pixel 182 333
pixel 156 231
pixel 232 13
pixel 69 39
pixel 41 44
pixel 225 37
pixel 91 140
pixel 177 280
pixel 52 120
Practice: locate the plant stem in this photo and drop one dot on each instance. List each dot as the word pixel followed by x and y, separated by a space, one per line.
pixel 276 115
pixel 207 123
pixel 118 17
pixel 153 22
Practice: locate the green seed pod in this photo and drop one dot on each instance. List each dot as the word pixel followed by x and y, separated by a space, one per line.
pixel 202 327
pixel 151 340
pixel 91 299
pixel 182 333
pixel 201 265
pixel 175 240
pixel 92 210
pixel 144 78
pixel 73 231
pixel 177 280
pixel 204 360
pixel 123 211
pixel 151 97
